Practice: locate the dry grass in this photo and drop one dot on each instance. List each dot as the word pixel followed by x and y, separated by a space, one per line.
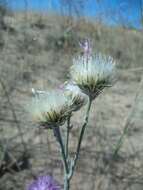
pixel 37 52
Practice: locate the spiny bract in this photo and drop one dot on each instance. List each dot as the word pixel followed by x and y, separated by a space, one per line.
pixel 50 108
pixel 75 96
pixel 93 74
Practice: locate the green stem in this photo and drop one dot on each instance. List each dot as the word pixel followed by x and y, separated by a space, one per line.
pixel 73 163
pixel 120 142
pixel 66 183
pixel 67 137
pixel 59 139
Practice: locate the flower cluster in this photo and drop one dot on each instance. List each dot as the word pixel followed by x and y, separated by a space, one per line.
pixel 90 74
pixel 44 183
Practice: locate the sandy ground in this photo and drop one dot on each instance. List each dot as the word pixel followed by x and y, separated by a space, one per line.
pixel 115 108
pixel 96 169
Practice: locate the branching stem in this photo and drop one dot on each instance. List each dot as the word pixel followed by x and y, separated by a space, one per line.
pixel 74 161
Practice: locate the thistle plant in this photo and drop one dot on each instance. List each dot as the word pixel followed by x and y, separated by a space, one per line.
pixel 76 98
pixel 44 183
pixel 89 75
pixel 92 75
pixel 49 109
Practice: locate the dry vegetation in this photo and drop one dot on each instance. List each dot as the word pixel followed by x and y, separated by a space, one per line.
pixel 36 51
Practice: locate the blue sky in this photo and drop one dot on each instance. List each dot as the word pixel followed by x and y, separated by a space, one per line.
pixel 111 11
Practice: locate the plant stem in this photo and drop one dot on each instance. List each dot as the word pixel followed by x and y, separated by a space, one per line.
pixel 57 133
pixel 120 142
pixel 73 164
pixel 66 183
pixel 127 122
pixel 67 137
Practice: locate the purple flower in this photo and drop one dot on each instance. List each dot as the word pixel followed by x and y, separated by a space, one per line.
pixel 44 183
pixel 86 46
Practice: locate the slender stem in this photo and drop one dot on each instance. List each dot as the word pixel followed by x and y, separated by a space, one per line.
pixel 57 133
pixel 127 122
pixel 67 137
pixel 66 183
pixel 82 131
pixel 120 142
pixel 73 163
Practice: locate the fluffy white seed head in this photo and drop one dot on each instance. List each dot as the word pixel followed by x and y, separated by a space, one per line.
pixel 76 98
pixel 49 108
pixel 93 74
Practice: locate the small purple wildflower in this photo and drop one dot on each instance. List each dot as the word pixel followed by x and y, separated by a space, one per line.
pixel 44 183
pixel 61 87
pixel 86 46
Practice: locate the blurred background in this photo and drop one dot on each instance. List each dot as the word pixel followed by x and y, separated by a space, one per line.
pixel 38 40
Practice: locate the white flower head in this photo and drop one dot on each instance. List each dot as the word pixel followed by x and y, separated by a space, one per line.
pixel 49 108
pixel 93 74
pixel 76 98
